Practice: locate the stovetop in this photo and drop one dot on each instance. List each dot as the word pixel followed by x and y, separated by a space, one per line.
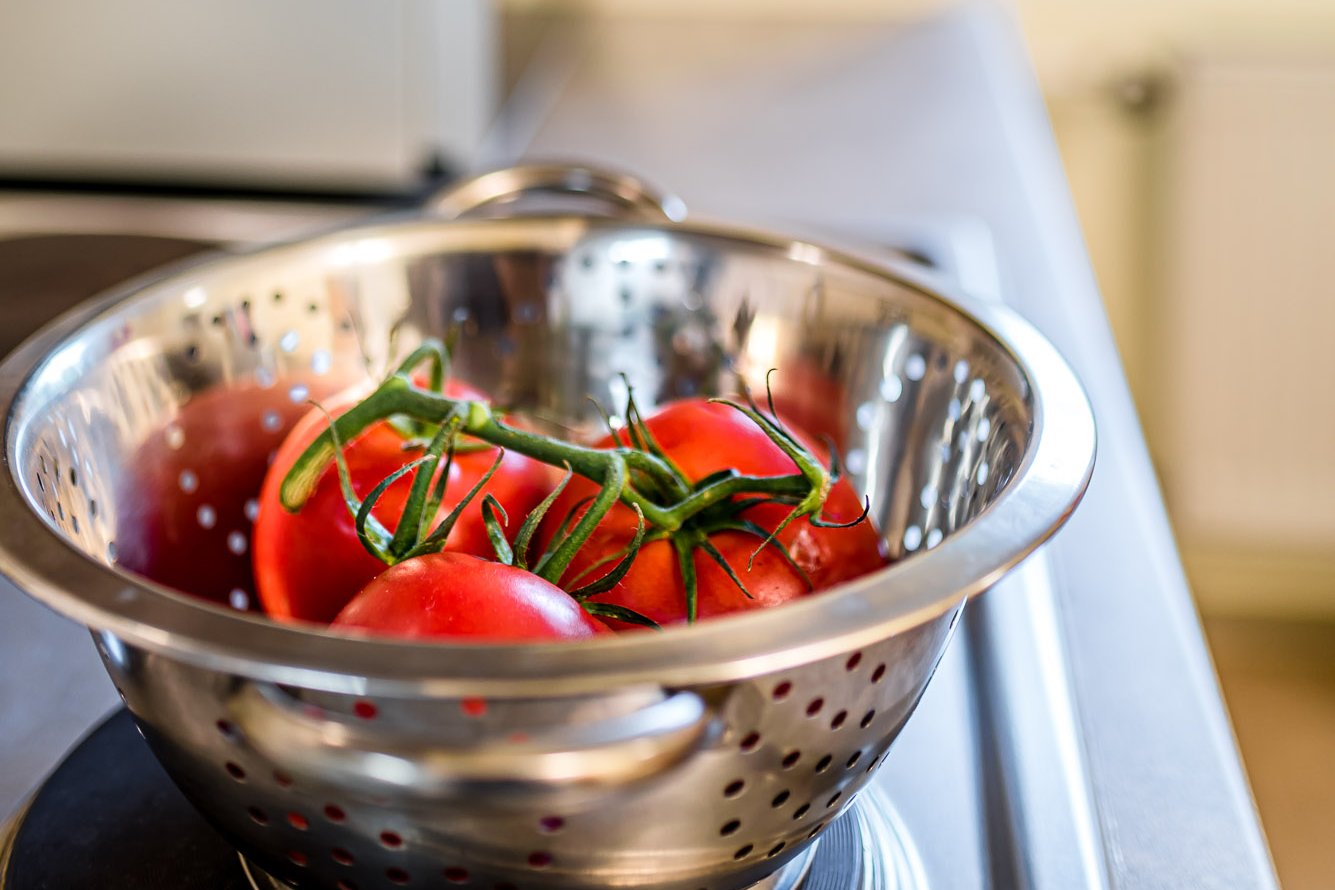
pixel 110 817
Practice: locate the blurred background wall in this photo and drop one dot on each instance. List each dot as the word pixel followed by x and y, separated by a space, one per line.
pixel 1198 138
pixel 1199 141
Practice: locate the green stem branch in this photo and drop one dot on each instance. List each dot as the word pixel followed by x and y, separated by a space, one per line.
pixel 609 468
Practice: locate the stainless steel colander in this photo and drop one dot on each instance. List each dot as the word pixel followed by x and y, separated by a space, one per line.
pixel 707 757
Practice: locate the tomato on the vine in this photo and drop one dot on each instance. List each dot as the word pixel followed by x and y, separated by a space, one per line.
pixel 457 595
pixel 309 564
pixel 702 438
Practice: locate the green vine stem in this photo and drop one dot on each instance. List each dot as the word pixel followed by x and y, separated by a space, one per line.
pixel 616 469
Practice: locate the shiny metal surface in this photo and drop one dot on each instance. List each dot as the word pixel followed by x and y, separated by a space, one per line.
pixel 620 191
pixel 868 848
pixel 965 428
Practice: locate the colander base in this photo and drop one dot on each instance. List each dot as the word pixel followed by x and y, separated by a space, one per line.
pixel 869 848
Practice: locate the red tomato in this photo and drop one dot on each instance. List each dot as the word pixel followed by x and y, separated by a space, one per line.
pixel 184 507
pixel 309 564
pixel 813 400
pixel 703 438
pixel 456 595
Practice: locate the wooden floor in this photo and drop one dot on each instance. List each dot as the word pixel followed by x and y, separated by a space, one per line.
pixel 1279 682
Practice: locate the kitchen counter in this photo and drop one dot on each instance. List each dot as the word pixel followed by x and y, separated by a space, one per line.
pixel 834 130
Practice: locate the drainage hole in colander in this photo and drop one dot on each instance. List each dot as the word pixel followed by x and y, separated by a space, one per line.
pixel 282 779
pixel 227 730
pixel 743 852
pixel 334 813
pixel 824 763
pixel 235 771
pixel 730 827
pixel 834 799
pixel 867 718
pixel 298 821
pixel 735 787
pixel 74 477
pixel 838 720
pixel 775 850
pixel 878 673
pixel 814 706
pixel 551 824
pixel 853 759
pixel 750 741
pixel 342 856
pixel 192 352
pixel 391 839
pixel 456 875
pixel 473 707
pixel 258 816
pixel 801 811
pixel 365 709
pixel 790 759
pixel 41 486
pixel 853 661
pixel 278 296
pixel 815 831
pixel 397 876
pixel 297 857
pixel 780 799
pixel 782 690
pixel 539 859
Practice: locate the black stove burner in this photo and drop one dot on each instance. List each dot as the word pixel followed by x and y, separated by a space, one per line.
pixel 110 818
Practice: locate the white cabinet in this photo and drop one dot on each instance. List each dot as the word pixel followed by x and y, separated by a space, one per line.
pixel 343 94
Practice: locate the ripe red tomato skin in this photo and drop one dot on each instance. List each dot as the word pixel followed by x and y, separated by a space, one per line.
pixel 448 595
pixel 221 439
pixel 308 565
pixel 703 437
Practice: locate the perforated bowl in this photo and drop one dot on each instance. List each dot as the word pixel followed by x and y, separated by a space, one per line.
pixel 139 428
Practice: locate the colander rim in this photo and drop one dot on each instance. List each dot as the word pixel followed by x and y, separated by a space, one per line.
pixel 1045 488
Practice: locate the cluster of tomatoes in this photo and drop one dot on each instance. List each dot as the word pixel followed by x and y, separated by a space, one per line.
pixel 432 517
